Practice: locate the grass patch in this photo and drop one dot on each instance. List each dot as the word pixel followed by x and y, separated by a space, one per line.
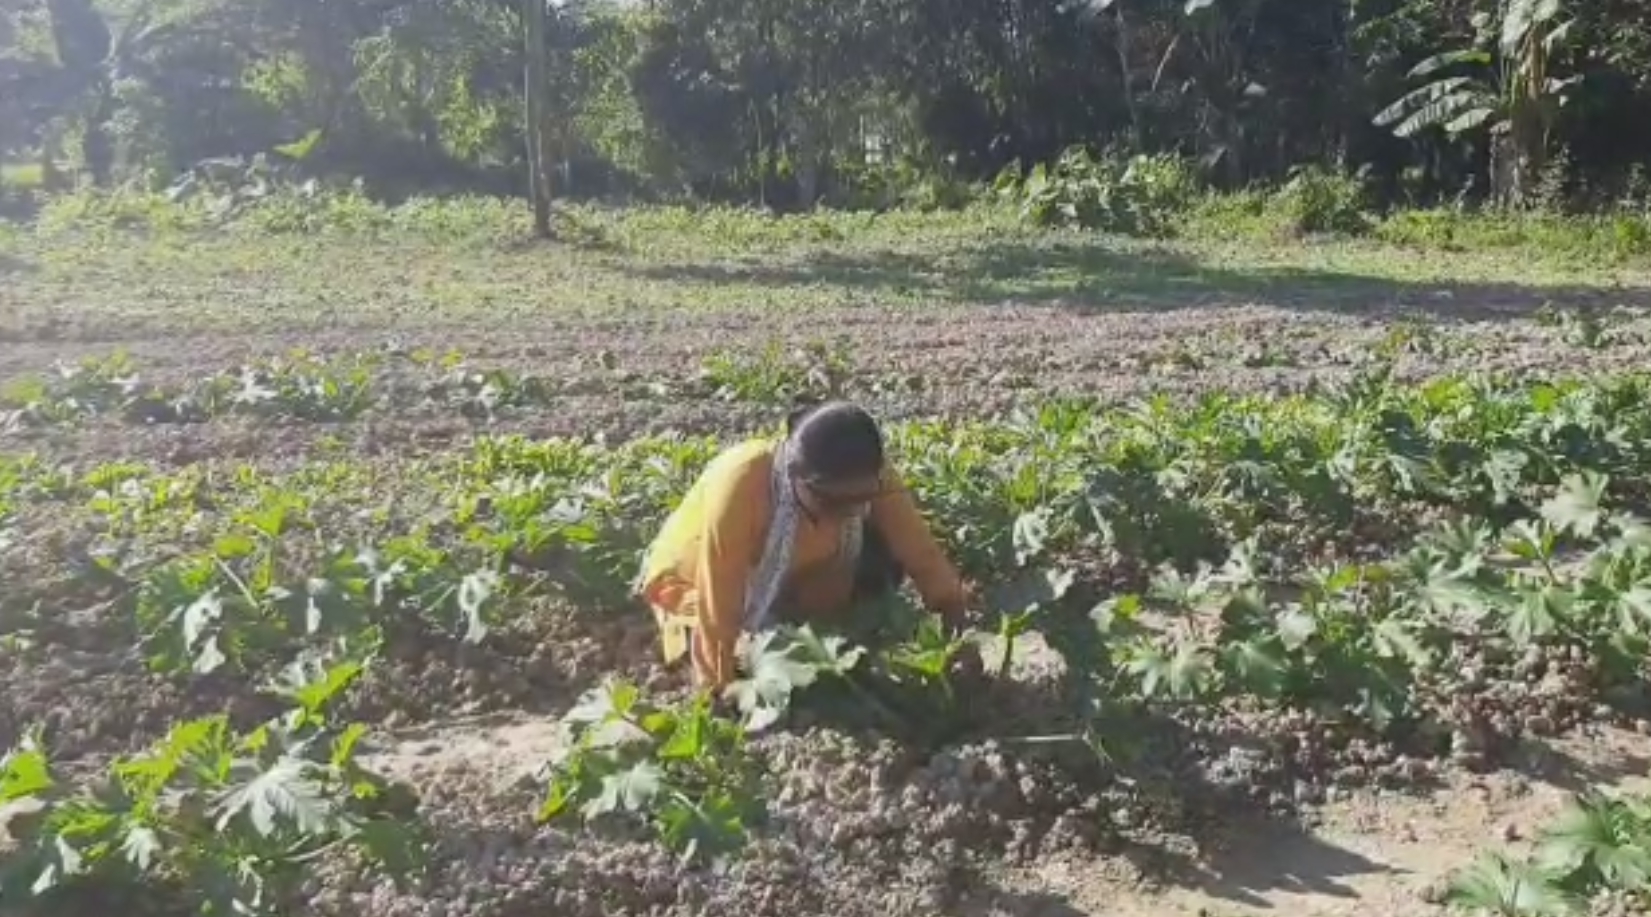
pixel 343 260
pixel 21 176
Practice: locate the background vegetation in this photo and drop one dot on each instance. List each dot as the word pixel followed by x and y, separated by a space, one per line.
pixel 858 104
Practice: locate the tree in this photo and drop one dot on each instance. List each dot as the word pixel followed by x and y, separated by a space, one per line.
pixel 536 87
pixel 1513 93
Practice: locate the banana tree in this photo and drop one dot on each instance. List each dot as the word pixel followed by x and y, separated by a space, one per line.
pixel 1509 89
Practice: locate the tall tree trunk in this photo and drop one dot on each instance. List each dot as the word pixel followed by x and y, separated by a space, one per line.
pixel 97 148
pixel 535 112
pixel 1120 47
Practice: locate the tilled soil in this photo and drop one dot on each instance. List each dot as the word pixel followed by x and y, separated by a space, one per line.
pixel 948 362
pixel 862 828
pixel 1227 822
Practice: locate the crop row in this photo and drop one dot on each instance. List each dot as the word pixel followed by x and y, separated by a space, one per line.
pixel 211 819
pixel 302 386
pixel 1399 651
pixel 1341 468
pixel 1373 647
pixel 1132 487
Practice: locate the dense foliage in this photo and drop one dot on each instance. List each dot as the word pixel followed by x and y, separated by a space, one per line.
pixel 867 103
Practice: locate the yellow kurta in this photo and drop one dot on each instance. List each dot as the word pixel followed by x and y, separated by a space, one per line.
pixel 700 563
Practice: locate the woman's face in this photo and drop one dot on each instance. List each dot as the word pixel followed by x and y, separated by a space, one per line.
pixel 839 500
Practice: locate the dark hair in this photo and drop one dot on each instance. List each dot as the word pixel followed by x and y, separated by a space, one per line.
pixel 834 442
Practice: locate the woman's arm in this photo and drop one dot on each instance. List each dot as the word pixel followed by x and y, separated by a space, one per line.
pixel 896 515
pixel 729 539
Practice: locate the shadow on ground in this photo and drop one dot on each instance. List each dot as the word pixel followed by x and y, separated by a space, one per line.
pixel 1091 277
pixel 1262 858
pixel 11 264
pixel 994 900
pixel 1611 764
pixel 1269 860
pixel 1206 802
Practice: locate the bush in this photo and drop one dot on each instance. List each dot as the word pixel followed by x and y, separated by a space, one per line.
pixel 1137 196
pixel 1318 200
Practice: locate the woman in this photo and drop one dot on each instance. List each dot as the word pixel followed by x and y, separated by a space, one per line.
pixel 809 524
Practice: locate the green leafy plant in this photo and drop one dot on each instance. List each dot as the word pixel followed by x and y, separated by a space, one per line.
pixel 231 607
pixel 682 770
pixel 299 386
pixel 1138 195
pixel 73 391
pixel 1601 843
pixel 776 375
pixel 230 821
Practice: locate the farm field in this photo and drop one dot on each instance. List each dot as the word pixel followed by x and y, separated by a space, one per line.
pixel 1312 571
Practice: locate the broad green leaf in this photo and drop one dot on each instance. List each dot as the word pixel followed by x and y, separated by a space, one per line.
pixel 689 737
pixel 1117 616
pixel 1418 99
pixel 474 592
pixel 1296 627
pixel 1438 62
pixel 311 683
pixel 831 654
pixel 1538 613
pixel 1576 507
pixel 1453 591
pixel 24 772
pixel 1181 674
pixel 561 793
pixel 285 791
pixel 1556 37
pixel 1634 608
pixel 1395 638
pixel 1472 118
pixel 233 546
pixel 615 698
pixel 707 827
pixel 1257 666
pixel 765 695
pixel 1521 19
pixel 1504 468
pixel 344 744
pixel 1500 886
pixel 1597 832
pixel 141 846
pixel 631 790
pixel 1436 104
pixel 1029 535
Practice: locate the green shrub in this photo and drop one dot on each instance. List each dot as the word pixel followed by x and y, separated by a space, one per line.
pixel 1318 200
pixel 1136 196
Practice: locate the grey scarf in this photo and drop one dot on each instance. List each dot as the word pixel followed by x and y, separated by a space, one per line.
pixel 768 578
